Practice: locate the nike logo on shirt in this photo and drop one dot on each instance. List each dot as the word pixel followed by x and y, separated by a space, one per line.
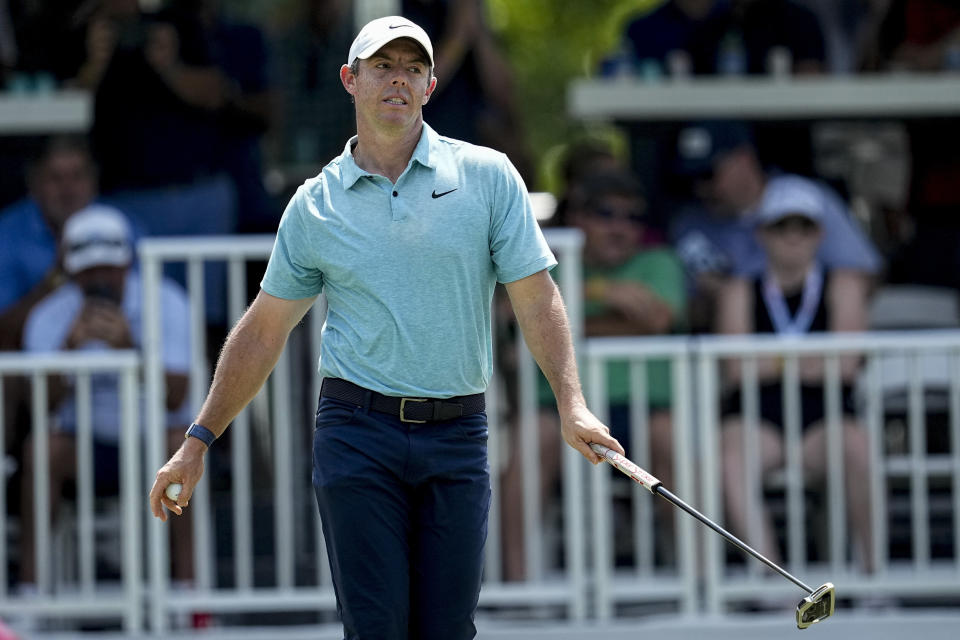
pixel 440 195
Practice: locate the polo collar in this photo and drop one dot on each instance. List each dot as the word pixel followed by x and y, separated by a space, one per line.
pixel 425 153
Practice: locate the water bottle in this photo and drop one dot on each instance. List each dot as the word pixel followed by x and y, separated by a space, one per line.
pixel 732 55
pixel 679 64
pixel 779 62
pixel 621 64
pixel 649 70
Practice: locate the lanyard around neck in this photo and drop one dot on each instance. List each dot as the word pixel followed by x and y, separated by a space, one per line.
pixel 783 323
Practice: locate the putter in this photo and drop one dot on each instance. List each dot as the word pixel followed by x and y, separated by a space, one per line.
pixel 817 606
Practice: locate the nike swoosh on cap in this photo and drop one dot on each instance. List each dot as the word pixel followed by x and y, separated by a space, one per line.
pixel 440 195
pixel 397 26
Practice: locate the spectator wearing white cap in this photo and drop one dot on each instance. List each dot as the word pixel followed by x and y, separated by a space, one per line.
pixel 99 307
pixel 795 295
pixel 714 236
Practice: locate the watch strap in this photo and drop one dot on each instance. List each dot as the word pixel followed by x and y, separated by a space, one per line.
pixel 201 433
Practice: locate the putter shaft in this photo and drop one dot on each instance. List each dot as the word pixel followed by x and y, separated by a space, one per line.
pixel 734 540
pixel 630 469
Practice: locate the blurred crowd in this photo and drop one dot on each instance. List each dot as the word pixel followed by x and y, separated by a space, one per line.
pixel 735 227
pixel 204 124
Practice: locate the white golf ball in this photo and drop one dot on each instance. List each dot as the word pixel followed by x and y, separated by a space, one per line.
pixel 173 490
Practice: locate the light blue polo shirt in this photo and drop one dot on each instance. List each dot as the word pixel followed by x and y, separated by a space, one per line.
pixel 409 269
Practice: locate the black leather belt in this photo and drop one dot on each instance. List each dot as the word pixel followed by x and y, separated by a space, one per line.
pixel 418 410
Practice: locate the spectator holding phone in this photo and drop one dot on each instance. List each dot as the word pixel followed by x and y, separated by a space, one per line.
pixel 98 308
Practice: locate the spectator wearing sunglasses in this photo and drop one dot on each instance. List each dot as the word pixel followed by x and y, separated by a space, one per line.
pixel 796 294
pixel 631 288
pixel 713 233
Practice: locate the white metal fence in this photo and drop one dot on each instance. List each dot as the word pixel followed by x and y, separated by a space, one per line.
pixel 598 548
pixel 915 484
pixel 914 477
pixel 70 549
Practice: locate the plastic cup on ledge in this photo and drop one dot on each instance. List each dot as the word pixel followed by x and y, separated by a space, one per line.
pixel 779 63
pixel 679 64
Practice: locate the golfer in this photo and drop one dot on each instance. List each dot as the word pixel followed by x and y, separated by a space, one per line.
pixel 407 233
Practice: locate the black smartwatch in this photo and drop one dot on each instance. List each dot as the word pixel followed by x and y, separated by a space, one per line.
pixel 201 433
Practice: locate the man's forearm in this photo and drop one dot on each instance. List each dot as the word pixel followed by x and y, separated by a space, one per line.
pixel 543 321
pixel 246 360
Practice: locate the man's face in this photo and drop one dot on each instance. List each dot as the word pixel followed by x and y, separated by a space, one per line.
pixel 62 185
pixel 391 86
pixel 791 242
pixel 612 228
pixel 731 189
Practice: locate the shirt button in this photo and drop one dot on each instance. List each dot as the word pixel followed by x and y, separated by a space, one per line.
pixel 396 193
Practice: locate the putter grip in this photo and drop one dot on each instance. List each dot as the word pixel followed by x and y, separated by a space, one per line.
pixel 641 477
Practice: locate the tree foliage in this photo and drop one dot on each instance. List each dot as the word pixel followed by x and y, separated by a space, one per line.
pixel 550 42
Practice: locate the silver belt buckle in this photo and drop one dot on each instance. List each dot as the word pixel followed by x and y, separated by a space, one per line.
pixel 403 405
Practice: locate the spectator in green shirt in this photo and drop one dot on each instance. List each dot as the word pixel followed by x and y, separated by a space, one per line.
pixel 630 289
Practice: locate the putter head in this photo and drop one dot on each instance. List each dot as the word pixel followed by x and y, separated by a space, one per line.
pixel 816 607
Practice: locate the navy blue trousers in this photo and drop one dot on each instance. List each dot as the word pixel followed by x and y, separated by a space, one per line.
pixel 404 510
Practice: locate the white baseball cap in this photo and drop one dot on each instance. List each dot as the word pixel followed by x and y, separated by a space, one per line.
pixel 789 196
pixel 379 32
pixel 96 236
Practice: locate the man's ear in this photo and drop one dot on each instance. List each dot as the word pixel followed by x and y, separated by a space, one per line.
pixel 430 88
pixel 348 79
